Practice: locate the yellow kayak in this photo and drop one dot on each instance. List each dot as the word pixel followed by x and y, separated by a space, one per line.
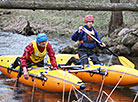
pixel 54 81
pixel 113 74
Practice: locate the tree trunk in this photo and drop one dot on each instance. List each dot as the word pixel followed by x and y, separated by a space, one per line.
pixel 116 18
pixel 44 5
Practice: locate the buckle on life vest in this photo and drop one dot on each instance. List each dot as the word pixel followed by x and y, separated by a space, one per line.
pixel 81 41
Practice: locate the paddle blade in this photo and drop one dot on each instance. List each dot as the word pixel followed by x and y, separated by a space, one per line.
pixel 124 61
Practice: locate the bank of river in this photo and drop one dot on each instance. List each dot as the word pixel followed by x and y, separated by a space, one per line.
pixel 14 44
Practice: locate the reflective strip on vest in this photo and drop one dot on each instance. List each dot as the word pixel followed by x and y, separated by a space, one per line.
pixel 38 56
pixel 90 39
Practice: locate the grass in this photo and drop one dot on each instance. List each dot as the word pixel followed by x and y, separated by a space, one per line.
pixel 64 22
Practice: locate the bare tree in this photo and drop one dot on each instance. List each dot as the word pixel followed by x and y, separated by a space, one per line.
pixel 116 18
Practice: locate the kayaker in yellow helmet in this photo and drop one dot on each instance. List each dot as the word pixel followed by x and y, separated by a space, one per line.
pixel 34 54
pixel 86 42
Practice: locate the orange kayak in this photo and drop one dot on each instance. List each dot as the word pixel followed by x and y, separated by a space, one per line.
pixel 113 74
pixel 54 81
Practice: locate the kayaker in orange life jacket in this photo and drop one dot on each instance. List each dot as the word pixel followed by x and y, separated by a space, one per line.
pixel 86 43
pixel 34 54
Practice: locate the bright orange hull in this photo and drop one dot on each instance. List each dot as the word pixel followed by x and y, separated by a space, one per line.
pixel 52 83
pixel 116 73
pixel 55 81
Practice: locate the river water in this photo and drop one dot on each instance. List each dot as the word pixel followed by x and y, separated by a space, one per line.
pixel 15 43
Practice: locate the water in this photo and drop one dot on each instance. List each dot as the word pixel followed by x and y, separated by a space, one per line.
pixel 14 44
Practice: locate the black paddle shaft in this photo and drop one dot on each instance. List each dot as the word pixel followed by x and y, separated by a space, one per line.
pixel 86 31
pixel 111 51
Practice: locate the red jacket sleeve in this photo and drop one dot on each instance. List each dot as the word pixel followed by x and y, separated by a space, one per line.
pixel 26 55
pixel 51 54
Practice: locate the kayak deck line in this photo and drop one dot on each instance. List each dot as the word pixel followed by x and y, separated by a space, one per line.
pixel 122 72
pixel 42 78
pixel 31 75
pixel 63 80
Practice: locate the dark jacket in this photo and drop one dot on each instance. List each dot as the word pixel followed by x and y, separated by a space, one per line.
pixel 82 36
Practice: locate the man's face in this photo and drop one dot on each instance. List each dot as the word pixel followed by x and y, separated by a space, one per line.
pixel 42 44
pixel 89 24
